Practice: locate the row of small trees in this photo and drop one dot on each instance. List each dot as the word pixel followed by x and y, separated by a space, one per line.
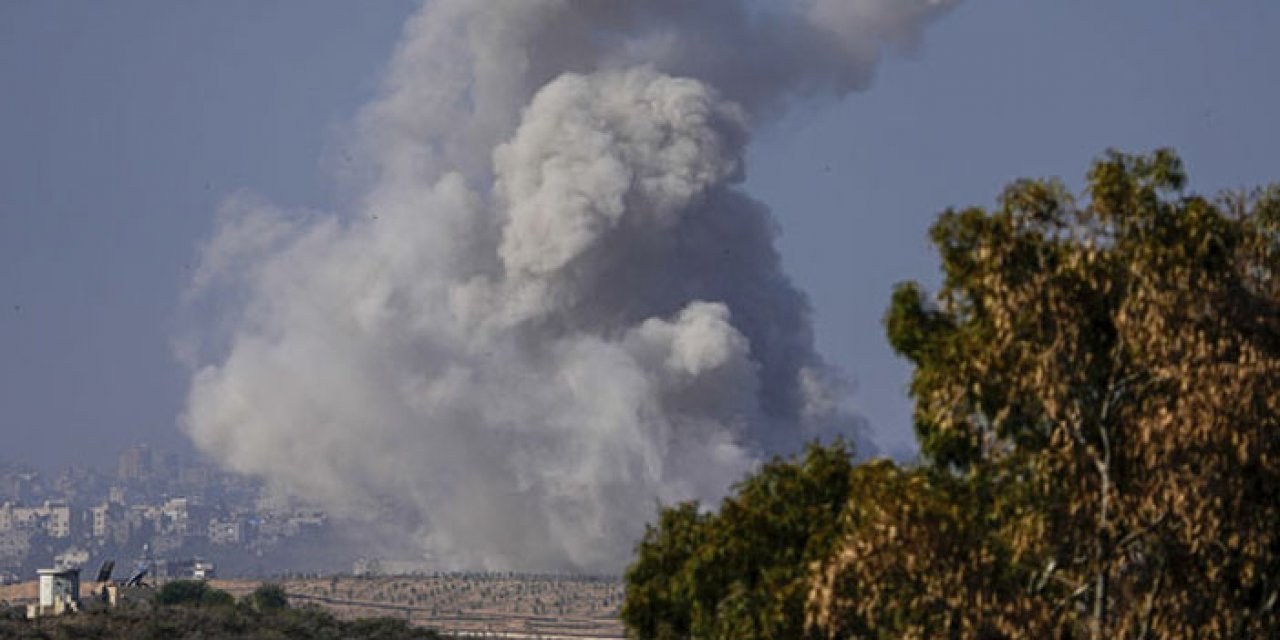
pixel 265 599
pixel 1096 389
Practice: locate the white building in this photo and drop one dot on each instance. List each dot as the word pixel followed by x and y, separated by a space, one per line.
pixel 203 570
pixel 59 593
pixel 110 522
pixel 54 518
pixel 176 515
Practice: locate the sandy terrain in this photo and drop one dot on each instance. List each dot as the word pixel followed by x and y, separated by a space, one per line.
pixel 20 593
pixel 529 605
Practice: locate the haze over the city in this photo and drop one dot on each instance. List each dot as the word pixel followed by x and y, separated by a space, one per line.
pixel 388 250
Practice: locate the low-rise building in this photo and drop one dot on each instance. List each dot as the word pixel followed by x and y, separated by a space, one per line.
pixel 59 593
pixel 203 570
pixel 54 518
pixel 108 523
pixel 226 532
pixel 175 516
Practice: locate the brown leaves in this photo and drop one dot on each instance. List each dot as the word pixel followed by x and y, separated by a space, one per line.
pixel 919 558
pixel 1120 363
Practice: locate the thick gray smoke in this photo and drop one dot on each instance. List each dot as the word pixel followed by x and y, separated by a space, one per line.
pixel 553 307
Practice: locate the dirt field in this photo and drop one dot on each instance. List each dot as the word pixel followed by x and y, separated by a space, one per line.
pixel 20 593
pixel 527 605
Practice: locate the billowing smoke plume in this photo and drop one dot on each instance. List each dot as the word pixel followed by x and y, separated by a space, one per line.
pixel 553 307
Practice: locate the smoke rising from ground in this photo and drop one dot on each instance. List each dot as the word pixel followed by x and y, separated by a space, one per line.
pixel 553 306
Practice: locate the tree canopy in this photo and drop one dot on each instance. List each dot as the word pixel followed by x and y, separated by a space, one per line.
pixel 193 593
pixel 268 597
pixel 1096 387
pixel 742 572
pixel 1110 368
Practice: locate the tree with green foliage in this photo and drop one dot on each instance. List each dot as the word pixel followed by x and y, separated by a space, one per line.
pixel 659 597
pixel 1109 371
pixel 268 597
pixel 741 573
pixel 192 593
pixel 217 598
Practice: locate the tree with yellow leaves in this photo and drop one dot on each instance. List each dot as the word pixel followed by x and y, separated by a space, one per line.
pixel 1097 396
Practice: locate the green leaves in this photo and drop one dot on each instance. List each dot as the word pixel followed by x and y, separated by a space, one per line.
pixel 268 597
pixel 741 573
pixel 191 592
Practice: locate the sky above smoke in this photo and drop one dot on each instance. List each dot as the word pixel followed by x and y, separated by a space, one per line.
pixel 553 306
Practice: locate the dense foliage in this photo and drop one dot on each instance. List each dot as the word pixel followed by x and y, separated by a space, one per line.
pixel 268 597
pixel 189 609
pixel 191 593
pixel 741 573
pixel 1096 389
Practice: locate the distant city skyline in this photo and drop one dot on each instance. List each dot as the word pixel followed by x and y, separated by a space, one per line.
pixel 153 510
pixel 114 462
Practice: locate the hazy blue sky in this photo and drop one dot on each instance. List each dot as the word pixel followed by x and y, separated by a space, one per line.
pixel 123 124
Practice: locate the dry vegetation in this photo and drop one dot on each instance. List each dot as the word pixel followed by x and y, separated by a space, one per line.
pixel 562 606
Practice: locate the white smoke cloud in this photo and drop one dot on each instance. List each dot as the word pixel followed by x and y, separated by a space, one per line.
pixel 553 306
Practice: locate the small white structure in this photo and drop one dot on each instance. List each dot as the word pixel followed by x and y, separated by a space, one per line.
pixel 59 593
pixel 203 570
